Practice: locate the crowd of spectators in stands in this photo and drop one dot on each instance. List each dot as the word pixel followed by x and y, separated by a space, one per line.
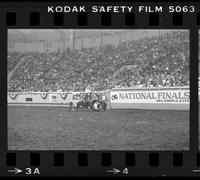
pixel 155 61
pixel 13 59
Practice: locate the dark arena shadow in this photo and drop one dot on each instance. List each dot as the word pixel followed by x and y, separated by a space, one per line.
pixel 58 128
pixel 199 125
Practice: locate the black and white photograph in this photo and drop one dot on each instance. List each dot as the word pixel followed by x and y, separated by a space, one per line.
pixel 98 89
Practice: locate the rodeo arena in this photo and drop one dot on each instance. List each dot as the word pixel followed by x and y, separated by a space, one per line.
pixel 98 89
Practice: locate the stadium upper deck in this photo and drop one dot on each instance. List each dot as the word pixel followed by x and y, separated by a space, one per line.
pixel 148 62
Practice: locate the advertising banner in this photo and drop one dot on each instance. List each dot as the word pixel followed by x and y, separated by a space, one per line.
pixel 172 96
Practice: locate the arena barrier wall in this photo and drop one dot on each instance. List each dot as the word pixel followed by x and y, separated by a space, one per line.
pixel 39 98
pixel 46 98
pixel 166 98
pixel 172 98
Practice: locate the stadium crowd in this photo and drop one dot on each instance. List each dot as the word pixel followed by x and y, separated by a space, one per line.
pixel 13 59
pixel 155 61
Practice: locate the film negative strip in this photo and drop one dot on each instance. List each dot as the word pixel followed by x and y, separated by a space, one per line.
pixel 99 89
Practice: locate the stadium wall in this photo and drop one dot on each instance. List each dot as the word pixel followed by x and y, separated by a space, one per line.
pixel 40 98
pixel 176 98
pixel 38 44
pixel 46 98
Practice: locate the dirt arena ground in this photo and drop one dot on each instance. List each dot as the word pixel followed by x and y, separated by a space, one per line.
pixel 57 128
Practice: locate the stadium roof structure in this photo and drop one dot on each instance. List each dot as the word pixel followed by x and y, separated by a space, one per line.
pixel 32 35
pixel 59 35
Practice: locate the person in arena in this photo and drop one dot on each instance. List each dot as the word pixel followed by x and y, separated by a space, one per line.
pixel 88 100
pixel 103 101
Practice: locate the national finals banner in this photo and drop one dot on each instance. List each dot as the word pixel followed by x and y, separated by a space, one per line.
pixel 172 96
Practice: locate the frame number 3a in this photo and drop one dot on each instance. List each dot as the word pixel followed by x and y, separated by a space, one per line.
pixel 34 171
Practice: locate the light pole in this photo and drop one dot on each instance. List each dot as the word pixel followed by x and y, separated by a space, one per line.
pixel 73 39
pixel 43 41
pixel 23 36
pixel 120 37
pixel 100 38
pixel 62 39
pixel 81 42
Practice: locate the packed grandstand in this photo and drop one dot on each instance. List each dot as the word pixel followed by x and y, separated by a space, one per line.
pixel 156 61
